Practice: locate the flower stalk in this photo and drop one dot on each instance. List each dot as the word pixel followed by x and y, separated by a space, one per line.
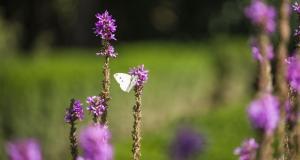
pixel 105 89
pixel 73 113
pixel 263 16
pixel 265 87
pixel 266 150
pixel 265 76
pixel 105 28
pixel 141 76
pixel 136 132
pixel 73 141
pixel 293 125
pixel 292 111
pixel 281 83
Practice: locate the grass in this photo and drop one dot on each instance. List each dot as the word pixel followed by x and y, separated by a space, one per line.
pixel 187 81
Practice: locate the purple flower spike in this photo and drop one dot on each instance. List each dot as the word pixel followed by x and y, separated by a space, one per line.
pixel 248 150
pixel 96 105
pixel 187 143
pixel 264 113
pixel 257 54
pixel 141 73
pixel 75 113
pixel 261 14
pixel 94 141
pixel 109 51
pixel 293 72
pixel 105 27
pixel 296 7
pixel 24 150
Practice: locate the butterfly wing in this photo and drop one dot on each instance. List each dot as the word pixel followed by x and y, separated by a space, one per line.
pixel 132 83
pixel 124 80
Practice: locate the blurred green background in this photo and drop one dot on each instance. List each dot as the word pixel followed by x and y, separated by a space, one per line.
pixel 187 86
pixel 201 72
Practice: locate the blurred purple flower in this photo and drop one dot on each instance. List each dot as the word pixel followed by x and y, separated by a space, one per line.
pixel 264 113
pixel 105 26
pixel 79 158
pixel 248 150
pixel 296 7
pixel 257 54
pixel 76 112
pixel 108 50
pixel 96 106
pixel 187 144
pixel 141 73
pixel 293 72
pixel 94 141
pixel 261 14
pixel 24 150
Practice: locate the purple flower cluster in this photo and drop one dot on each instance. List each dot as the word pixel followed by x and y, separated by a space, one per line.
pixel 24 150
pixel 141 73
pixel 296 7
pixel 293 72
pixel 96 105
pixel 262 15
pixel 94 141
pixel 187 143
pixel 76 112
pixel 108 50
pixel 264 113
pixel 248 150
pixel 257 54
pixel 105 26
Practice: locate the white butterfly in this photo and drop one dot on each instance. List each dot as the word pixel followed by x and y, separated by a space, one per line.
pixel 126 81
